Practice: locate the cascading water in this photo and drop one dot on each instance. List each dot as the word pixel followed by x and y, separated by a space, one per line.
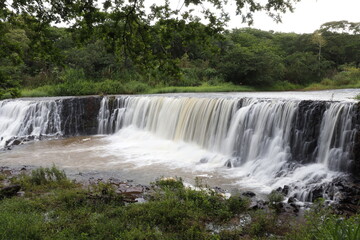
pixel 252 142
pixel 337 136
pixel 254 138
pixel 28 118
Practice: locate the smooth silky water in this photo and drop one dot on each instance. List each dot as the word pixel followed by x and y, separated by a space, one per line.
pixel 241 141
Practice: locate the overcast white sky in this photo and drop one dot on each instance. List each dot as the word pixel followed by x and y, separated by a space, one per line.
pixel 307 17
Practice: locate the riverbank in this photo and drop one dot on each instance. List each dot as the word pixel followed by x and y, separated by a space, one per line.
pixel 342 80
pixel 44 204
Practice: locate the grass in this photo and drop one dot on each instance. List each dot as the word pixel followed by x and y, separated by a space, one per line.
pixel 132 87
pixel 225 87
pixel 56 208
pixel 348 78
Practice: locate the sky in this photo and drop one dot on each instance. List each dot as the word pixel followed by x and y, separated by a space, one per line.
pixel 308 16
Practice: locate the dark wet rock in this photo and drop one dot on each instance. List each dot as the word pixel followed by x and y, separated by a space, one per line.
pixel 9 191
pixel 249 194
pixel 257 204
pixel 305 131
pixel 204 160
pixel 316 193
pixel 16 142
pixel 228 164
pixel 219 190
pixel 285 190
pixel 79 115
pixel 347 196
pixel 291 209
pixel 292 200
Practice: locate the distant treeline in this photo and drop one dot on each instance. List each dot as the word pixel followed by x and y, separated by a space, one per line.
pixel 109 52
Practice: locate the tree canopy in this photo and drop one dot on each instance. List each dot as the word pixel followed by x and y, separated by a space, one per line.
pixel 128 42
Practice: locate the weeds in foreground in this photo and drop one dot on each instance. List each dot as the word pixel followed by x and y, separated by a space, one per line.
pixel 323 224
pixel 58 208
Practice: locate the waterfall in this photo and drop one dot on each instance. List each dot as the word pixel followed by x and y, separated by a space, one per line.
pixel 29 118
pixel 247 129
pixel 275 142
pixel 337 136
pixel 255 141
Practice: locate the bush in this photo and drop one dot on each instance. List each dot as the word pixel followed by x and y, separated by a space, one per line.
pixel 43 179
pixel 134 87
pixel 275 197
pixel 45 175
pixel 109 87
pixel 322 224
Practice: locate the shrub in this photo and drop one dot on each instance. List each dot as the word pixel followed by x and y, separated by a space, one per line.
pixel 322 224
pixel 275 197
pixel 45 175
pixel 43 179
pixel 134 87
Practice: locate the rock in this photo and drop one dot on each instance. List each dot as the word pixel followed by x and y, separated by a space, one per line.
pixel 249 194
pixel 347 196
pixel 292 200
pixel 115 181
pixel 285 190
pixel 9 191
pixel 204 160
pixel 140 200
pixel 290 208
pixel 20 194
pixel 306 129
pixel 16 142
pixel 257 204
pixel 228 164
pixel 317 193
pixel 134 190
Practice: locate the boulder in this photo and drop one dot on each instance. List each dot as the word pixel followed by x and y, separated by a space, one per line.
pixel 249 194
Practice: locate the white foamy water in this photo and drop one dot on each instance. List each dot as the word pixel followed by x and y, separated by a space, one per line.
pixel 23 118
pixel 235 140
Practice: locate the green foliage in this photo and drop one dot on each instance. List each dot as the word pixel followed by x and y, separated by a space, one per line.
pixel 172 211
pixel 43 179
pixel 275 197
pixel 19 220
pixel 224 87
pixel 348 78
pixel 323 224
pixel 117 47
pixel 251 61
pixel 133 87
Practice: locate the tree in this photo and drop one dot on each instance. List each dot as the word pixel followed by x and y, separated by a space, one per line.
pixel 251 60
pixel 344 27
pixel 303 68
pixel 320 41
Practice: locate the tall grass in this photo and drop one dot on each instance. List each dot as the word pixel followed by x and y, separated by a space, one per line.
pixel 348 78
pixel 61 209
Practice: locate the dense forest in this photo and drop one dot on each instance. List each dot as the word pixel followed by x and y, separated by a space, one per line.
pixel 83 47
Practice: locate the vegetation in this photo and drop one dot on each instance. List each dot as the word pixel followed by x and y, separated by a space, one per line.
pixel 56 208
pixel 117 47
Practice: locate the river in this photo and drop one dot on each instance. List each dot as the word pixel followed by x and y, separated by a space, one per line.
pixel 256 141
